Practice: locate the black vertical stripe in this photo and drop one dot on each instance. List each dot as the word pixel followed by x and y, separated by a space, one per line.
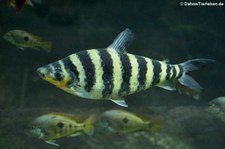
pixel 156 72
pixel 107 77
pixel 168 69
pixel 174 72
pixel 142 65
pixel 89 69
pixel 181 71
pixel 126 73
pixel 71 67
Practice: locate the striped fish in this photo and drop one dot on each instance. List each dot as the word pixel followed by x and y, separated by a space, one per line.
pixel 111 73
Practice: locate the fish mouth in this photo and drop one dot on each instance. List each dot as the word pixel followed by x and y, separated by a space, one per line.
pixel 29 134
pixel 5 37
pixel 213 109
pixel 41 73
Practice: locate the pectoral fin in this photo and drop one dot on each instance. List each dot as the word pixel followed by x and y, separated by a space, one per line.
pixel 74 83
pixel 51 142
pixel 120 102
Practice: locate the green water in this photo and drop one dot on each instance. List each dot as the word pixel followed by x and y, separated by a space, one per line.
pixel 163 30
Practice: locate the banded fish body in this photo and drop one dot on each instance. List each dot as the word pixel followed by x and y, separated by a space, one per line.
pixel 51 126
pixel 111 73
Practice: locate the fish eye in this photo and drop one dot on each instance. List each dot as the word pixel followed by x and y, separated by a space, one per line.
pixel 26 38
pixel 125 120
pixel 8 34
pixel 213 104
pixel 58 76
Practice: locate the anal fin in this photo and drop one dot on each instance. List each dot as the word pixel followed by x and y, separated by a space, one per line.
pixel 167 86
pixel 189 88
pixel 120 102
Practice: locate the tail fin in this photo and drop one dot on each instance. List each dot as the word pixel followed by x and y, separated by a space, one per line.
pixel 195 64
pixel 47 46
pixel 186 84
pixel 154 125
pixel 89 125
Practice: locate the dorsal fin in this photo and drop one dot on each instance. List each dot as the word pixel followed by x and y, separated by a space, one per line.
pixel 122 41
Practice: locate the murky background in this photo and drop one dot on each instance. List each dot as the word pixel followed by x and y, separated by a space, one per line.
pixel 163 30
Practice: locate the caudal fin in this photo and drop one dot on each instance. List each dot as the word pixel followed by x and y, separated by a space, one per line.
pixel 89 125
pixel 186 84
pixel 154 125
pixel 47 46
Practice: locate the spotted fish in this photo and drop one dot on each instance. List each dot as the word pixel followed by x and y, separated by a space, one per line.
pixel 120 121
pixel 111 73
pixel 23 39
pixel 51 126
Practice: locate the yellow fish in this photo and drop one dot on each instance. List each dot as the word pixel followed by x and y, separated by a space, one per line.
pixel 23 39
pixel 111 73
pixel 120 121
pixel 51 126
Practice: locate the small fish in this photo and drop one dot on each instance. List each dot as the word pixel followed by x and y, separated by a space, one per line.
pixel 23 39
pixel 111 73
pixel 217 107
pixel 120 121
pixel 19 4
pixel 217 104
pixel 51 126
